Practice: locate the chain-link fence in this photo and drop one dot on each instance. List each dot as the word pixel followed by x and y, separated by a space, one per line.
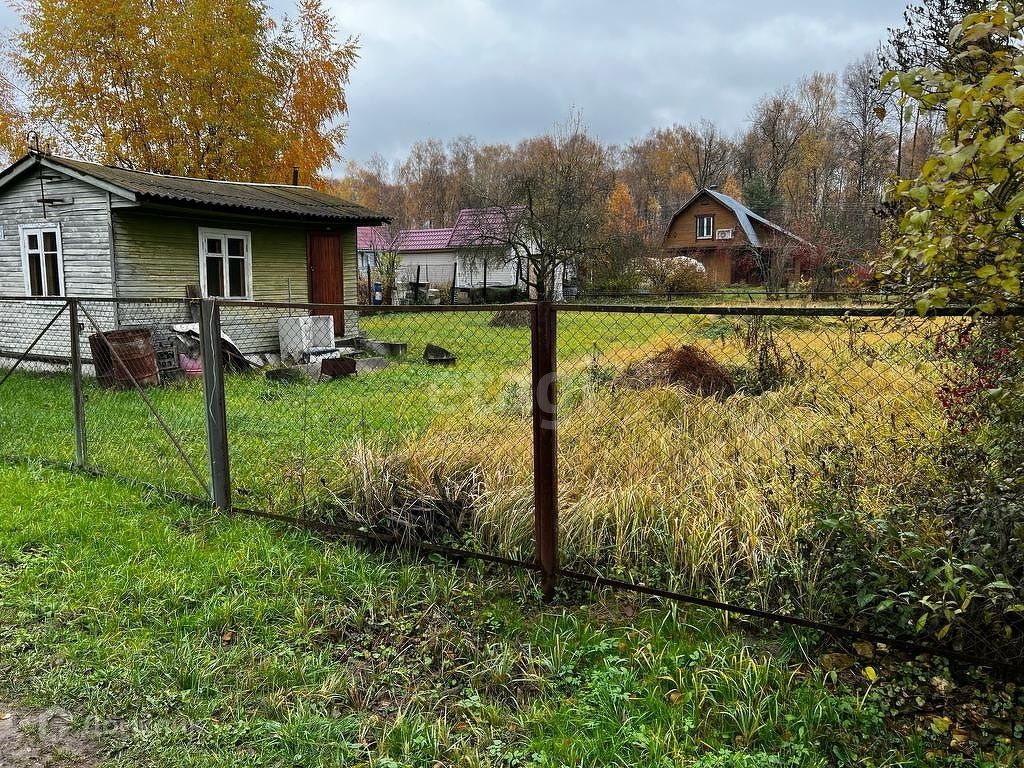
pixel 370 429
pixel 845 467
pixel 102 409
pixel 36 399
pixel 144 401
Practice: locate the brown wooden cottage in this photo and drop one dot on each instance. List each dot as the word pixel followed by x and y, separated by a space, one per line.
pixel 732 242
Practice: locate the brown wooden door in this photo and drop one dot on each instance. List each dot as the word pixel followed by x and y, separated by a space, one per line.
pixel 326 278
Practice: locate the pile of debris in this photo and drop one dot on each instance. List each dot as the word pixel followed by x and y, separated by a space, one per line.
pixel 688 367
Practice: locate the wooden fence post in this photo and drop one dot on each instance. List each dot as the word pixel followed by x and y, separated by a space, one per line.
pixel 78 394
pixel 211 352
pixel 545 443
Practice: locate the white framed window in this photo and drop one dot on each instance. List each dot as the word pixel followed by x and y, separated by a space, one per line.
pixel 705 226
pixel 225 263
pixel 42 259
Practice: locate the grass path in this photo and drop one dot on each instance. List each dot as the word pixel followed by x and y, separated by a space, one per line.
pixel 194 640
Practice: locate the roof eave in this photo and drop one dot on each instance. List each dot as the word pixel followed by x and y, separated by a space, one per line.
pixel 54 164
pixel 158 204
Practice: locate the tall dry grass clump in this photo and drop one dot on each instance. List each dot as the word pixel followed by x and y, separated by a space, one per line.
pixel 699 491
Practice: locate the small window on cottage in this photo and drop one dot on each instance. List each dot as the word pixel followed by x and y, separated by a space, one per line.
pixel 705 227
pixel 225 263
pixel 42 260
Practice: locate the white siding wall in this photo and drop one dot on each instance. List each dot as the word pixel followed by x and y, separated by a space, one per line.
pixel 470 274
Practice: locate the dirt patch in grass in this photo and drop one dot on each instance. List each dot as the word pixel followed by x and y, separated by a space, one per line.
pixel 45 739
pixel 686 366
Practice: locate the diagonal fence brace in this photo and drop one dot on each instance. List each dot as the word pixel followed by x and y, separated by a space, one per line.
pixel 149 404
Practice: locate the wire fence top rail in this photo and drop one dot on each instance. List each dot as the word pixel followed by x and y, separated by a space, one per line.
pixel 767 308
pixel 770 310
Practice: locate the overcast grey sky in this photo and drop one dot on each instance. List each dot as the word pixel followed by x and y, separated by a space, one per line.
pixel 505 70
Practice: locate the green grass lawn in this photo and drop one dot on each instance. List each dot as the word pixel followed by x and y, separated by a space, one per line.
pixel 213 641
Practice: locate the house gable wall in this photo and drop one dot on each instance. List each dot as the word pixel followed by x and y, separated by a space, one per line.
pixel 682 232
pixel 84 223
pixel 83 216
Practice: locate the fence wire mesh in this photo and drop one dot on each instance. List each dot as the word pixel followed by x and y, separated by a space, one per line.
pixel 825 467
pixel 36 415
pixel 144 407
pixel 853 467
pixel 385 425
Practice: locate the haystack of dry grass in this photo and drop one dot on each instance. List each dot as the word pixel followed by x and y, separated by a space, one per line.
pixel 686 366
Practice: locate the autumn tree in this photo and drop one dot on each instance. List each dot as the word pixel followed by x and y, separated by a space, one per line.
pixel 961 227
pixel 777 126
pixel 548 209
pixel 706 153
pixel 194 87
pixel 617 268
pixel 316 68
pixel 12 122
pixel 640 169
pixel 425 174
pixel 867 148
pixel 923 40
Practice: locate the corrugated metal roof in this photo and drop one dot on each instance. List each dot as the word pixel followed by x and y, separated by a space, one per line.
pixel 370 239
pixel 746 216
pixel 275 200
pixel 424 239
pixel 481 226
pixel 474 228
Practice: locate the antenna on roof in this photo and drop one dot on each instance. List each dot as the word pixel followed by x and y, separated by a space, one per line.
pixel 295 175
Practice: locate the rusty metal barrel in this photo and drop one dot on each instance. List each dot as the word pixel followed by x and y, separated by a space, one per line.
pixel 101 360
pixel 123 356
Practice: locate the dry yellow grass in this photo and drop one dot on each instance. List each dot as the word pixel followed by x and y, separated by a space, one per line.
pixel 704 491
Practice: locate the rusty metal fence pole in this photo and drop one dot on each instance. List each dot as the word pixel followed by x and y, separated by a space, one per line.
pixel 78 394
pixel 211 352
pixel 545 443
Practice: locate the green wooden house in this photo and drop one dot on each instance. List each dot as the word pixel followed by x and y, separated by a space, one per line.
pixel 72 228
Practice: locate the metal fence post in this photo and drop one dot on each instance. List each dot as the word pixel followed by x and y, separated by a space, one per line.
pixel 545 443
pixel 78 395
pixel 211 353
